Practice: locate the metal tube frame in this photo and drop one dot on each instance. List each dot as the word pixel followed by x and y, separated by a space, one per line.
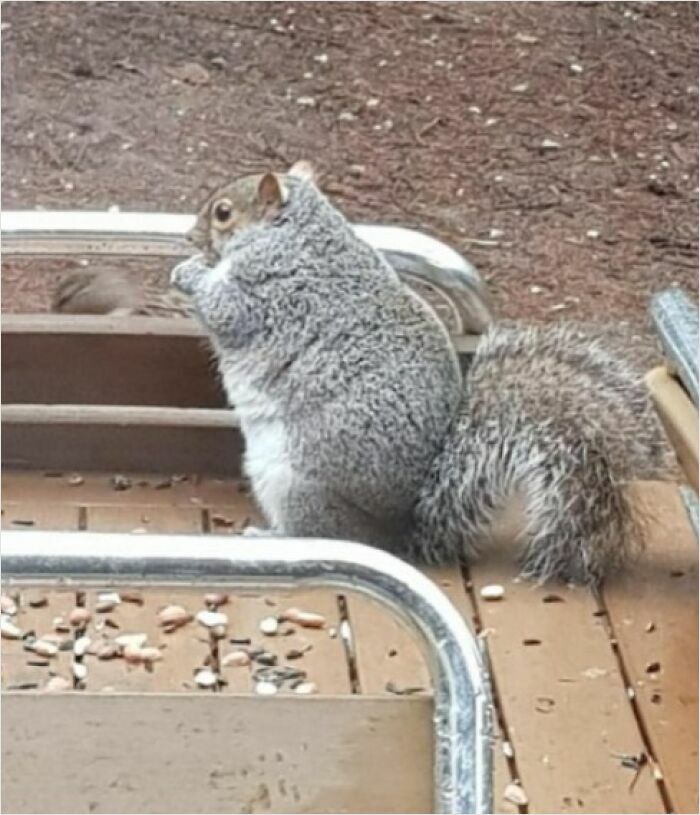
pixel 414 255
pixel 676 321
pixel 462 717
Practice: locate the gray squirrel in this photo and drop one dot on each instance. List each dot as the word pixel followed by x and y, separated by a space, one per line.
pixel 358 425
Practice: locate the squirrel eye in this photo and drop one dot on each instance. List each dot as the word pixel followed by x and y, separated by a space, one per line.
pixel 223 211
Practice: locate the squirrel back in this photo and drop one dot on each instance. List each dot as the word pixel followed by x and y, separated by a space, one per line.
pixel 554 422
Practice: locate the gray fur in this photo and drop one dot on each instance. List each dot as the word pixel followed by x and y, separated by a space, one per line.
pixel 557 419
pixel 357 427
pixel 344 380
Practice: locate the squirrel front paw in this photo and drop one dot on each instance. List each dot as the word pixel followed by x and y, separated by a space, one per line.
pixel 185 275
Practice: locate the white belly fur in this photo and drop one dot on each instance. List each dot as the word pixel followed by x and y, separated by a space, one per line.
pixel 266 462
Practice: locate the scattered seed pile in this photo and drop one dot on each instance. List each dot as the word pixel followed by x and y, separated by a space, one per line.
pixel 89 634
pixel 554 145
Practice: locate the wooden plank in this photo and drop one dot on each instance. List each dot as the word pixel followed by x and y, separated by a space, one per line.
pixel 564 703
pixel 72 359
pixel 387 652
pixel 144 519
pixel 653 610
pixel 142 489
pixel 34 515
pixel 185 650
pixel 325 662
pixel 101 445
pixel 680 418
pixel 204 753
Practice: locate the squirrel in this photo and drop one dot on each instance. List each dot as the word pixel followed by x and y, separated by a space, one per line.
pixel 358 425
pixel 115 293
pixel 344 380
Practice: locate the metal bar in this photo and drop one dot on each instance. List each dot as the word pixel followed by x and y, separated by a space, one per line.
pixel 690 500
pixel 413 254
pixel 676 321
pixel 462 698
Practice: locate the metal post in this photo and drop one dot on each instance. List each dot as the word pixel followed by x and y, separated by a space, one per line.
pixel 462 718
pixel 676 320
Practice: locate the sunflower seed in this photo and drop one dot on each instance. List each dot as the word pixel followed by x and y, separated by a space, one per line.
pixel 9 630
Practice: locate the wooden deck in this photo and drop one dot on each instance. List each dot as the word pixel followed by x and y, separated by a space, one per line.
pixel 596 696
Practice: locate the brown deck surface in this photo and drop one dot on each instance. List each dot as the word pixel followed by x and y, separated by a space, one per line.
pixel 596 697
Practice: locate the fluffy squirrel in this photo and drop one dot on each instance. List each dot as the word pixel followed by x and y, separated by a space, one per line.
pixel 357 423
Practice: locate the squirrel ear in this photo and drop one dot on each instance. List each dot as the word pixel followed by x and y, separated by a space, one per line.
pixel 303 169
pixel 270 192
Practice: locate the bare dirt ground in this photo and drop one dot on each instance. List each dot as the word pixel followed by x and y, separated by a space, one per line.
pixel 554 144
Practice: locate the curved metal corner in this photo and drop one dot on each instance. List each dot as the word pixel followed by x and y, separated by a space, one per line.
pixel 462 718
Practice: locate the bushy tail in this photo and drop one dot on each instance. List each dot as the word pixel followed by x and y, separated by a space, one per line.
pixel 534 446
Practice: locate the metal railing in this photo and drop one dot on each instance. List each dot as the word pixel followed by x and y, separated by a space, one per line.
pixel 462 712
pixel 676 319
pixel 414 255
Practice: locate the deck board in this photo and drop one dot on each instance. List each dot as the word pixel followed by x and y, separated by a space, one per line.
pixel 653 609
pixel 563 702
pixel 562 697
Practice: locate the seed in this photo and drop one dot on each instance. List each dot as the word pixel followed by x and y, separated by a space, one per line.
pixel 130 596
pixel 294 653
pixel 172 617
pixel 151 654
pixel 107 650
pixel 44 648
pixel 120 482
pixel 59 625
pixel 57 684
pixel 132 654
pixel 218 632
pixel 131 640
pixel 332 633
pixel 206 678
pixel 265 688
pixel 8 605
pixel 214 600
pixel 269 626
pixel 9 630
pixel 265 658
pixel 35 599
pixel 212 619
pixel 306 688
pixel 516 795
pixel 305 619
pixel 80 646
pixel 107 602
pixel 76 480
pixel 493 592
pixel 80 671
pixel 507 748
pixel 235 658
pixel 79 616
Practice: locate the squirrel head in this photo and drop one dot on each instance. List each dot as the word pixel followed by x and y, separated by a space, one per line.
pixel 241 203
